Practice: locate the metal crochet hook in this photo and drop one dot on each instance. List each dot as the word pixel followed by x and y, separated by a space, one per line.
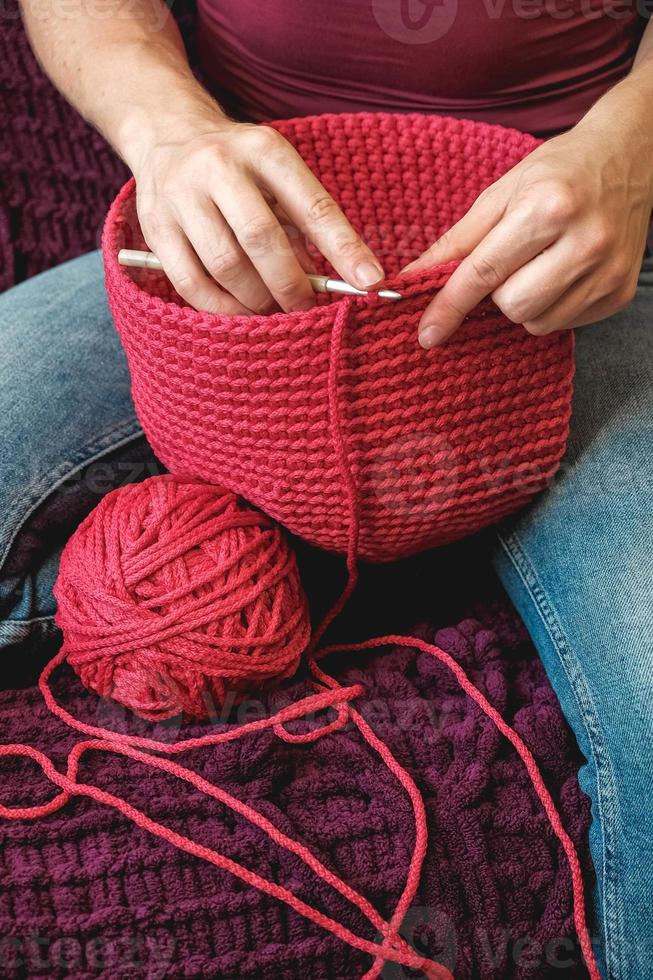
pixel 321 284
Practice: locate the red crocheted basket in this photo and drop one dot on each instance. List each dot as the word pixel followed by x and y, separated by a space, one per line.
pixel 439 443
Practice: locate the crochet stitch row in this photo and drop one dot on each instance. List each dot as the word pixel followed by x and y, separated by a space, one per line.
pixel 441 443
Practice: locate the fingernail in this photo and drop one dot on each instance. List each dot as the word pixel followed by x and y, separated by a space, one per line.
pixel 368 274
pixel 428 337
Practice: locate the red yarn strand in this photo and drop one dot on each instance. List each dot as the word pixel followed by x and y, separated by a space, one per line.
pixel 524 753
pixel 397 951
pixel 346 477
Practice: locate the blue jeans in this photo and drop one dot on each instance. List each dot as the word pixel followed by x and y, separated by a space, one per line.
pixel 578 564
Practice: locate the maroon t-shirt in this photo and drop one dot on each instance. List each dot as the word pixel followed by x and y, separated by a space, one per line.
pixel 537 65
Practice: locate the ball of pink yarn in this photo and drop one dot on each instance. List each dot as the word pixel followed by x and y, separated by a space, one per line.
pixel 173 593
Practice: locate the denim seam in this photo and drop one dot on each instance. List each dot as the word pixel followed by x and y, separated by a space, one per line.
pixel 40 490
pixel 606 794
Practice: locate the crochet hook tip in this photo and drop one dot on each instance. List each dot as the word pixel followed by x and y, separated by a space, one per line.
pixel 325 284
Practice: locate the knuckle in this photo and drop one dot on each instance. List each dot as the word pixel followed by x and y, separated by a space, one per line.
pixel 349 246
pixel 186 283
pixel 454 310
pixel 155 223
pixel 287 290
pixel 525 209
pixel 538 328
pixel 263 141
pixel 264 307
pixel 257 235
pixel 223 265
pixel 511 307
pixel 558 202
pixel 486 270
pixel 320 208
pixel 207 155
pixel 601 238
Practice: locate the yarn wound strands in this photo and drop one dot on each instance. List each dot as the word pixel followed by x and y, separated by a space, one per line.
pixel 172 594
pixel 123 544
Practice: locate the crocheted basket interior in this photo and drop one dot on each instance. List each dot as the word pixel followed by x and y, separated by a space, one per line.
pixel 439 443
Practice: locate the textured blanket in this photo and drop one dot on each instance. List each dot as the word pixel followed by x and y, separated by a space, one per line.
pixel 85 893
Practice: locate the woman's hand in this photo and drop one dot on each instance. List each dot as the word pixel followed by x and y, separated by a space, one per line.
pixel 557 242
pixel 226 207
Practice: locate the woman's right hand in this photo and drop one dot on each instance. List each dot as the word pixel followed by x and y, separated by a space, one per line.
pixel 225 206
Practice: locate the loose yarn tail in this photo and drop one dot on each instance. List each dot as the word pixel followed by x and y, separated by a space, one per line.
pixel 349 485
pixel 346 476
pixel 330 695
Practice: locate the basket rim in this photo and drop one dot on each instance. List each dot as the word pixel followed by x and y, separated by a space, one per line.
pixel 427 279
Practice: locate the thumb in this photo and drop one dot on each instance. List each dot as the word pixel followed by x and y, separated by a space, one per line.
pixel 463 237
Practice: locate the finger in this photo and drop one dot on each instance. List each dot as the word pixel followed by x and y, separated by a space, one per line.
pixel 223 258
pixel 315 212
pixel 265 243
pixel 299 247
pixel 536 286
pixel 466 234
pixel 185 272
pixel 581 305
pixel 297 240
pixel 507 247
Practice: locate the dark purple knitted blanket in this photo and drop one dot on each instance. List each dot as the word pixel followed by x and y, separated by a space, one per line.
pixel 85 893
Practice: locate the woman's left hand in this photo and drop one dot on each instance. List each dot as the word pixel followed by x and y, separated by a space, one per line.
pixel 557 242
